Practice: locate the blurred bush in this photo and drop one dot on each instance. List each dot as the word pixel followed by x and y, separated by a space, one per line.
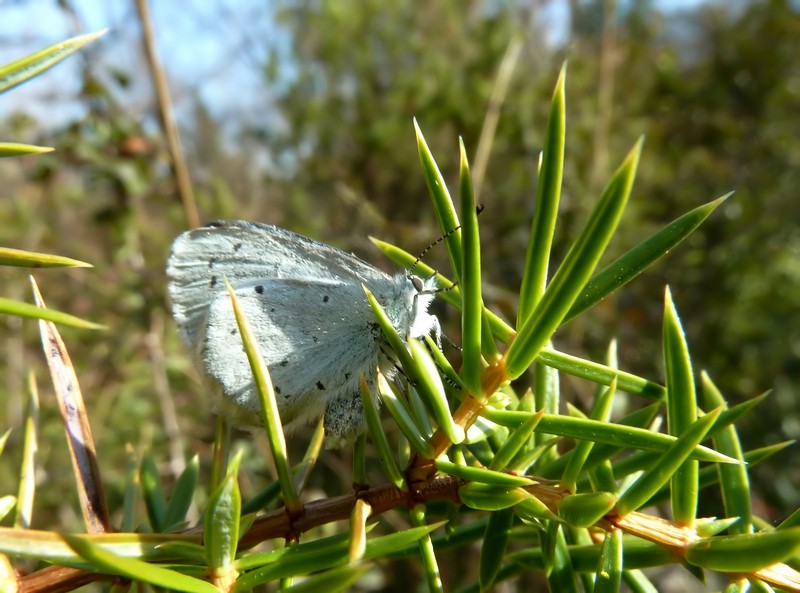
pixel 714 88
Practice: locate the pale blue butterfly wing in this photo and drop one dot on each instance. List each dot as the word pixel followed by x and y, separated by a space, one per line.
pixel 304 301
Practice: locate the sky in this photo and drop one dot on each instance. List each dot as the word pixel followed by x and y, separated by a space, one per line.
pixel 196 45
pixel 193 46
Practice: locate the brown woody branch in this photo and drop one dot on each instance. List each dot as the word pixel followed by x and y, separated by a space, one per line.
pixel 278 524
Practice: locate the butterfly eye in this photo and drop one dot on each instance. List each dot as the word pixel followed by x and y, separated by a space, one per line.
pixel 417 282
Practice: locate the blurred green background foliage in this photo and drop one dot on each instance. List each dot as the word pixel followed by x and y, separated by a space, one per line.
pixel 319 139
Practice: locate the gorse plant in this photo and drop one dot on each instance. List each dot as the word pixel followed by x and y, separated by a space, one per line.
pixel 480 458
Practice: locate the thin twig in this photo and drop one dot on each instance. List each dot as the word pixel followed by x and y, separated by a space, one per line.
pixel 499 92
pixel 167 118
pixel 169 414
pixel 605 93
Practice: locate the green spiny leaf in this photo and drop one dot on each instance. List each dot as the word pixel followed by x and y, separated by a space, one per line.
pixel 491 497
pixel 182 494
pixel 427 552
pixel 562 576
pixel 601 413
pixel 430 388
pixel 221 525
pixel 482 475
pixel 270 414
pixel 11 307
pixel 12 149
pixel 658 474
pixel 681 411
pixel 155 501
pixel 745 552
pixel 399 411
pixel 586 509
pixel 106 562
pixel 32 259
pixel 602 432
pixel 17 72
pixel 515 441
pixel 442 203
pixel 472 312
pixel 575 270
pixel 609 573
pixel 548 196
pixel 634 262
pixel 331 581
pixel 378 435
pixel 493 549
pixel 734 481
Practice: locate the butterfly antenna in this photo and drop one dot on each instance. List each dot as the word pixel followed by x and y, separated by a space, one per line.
pixel 478 209
pixel 446 288
pixel 425 251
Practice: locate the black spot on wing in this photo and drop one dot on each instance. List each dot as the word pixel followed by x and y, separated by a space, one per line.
pixel 213 282
pixel 320 386
pixel 285 362
pixel 260 289
pixel 325 298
